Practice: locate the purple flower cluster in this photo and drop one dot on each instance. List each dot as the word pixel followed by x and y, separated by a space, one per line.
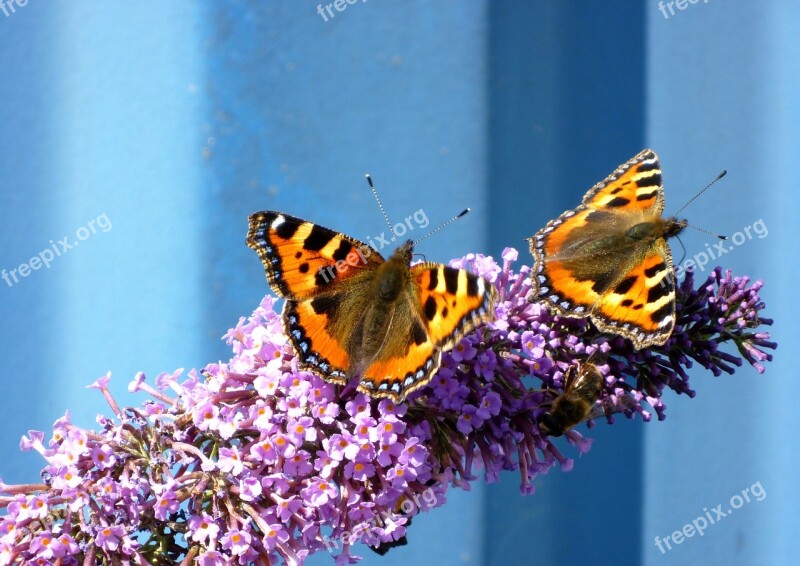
pixel 255 461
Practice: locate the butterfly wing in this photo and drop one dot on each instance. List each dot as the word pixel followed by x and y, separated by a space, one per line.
pixel 641 305
pixel 303 259
pixel 441 306
pixel 577 259
pixel 635 186
pixel 585 263
pixel 322 274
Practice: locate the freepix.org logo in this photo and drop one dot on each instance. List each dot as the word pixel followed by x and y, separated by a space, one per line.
pixel 9 7
pixel 710 517
pixel 410 505
pixel 360 254
pixel 56 249
pixel 338 5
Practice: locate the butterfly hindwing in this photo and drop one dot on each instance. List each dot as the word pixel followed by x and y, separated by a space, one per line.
pixel 311 331
pixel 451 301
pixel 442 305
pixel 303 259
pixel 641 306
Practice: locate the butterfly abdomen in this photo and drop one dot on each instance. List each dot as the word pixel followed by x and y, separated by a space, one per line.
pixel 392 279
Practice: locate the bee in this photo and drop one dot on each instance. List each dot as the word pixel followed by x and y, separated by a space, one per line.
pixel 582 388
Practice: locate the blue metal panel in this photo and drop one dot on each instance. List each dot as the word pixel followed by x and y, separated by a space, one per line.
pixel 103 136
pixel 566 106
pixel 301 108
pixel 28 211
pixel 175 120
pixel 723 92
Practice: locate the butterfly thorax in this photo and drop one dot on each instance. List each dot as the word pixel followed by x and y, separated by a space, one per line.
pixel 655 228
pixel 388 309
pixel 393 274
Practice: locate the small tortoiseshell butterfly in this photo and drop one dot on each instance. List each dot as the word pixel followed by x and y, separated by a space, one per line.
pixel 350 314
pixel 609 260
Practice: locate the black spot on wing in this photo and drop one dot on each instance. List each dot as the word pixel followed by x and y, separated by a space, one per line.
pixel 324 305
pixel 418 334
pixel 655 270
pixel 618 201
pixel 626 302
pixel 430 308
pixel 298 255
pixel 647 196
pixel 662 313
pixel 645 167
pixel 451 279
pixel 342 251
pixel 287 229
pixel 603 282
pixel 317 239
pixel 625 285
pixel 651 180
pixel 658 292
pixel 325 276
pixel 472 285
pixel 445 312
pixel 303 267
pixel 434 279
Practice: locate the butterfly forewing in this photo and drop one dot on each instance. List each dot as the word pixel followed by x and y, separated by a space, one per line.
pixel 441 305
pixel 303 259
pixel 634 186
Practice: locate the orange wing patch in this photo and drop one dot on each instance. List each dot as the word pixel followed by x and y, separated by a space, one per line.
pixel 303 259
pixel 399 376
pixel 319 351
pixel 635 185
pixel 452 302
pixel 641 306
pixel 445 304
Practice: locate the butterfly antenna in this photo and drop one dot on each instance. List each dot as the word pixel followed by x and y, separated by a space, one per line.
pixel 708 186
pixel 704 231
pixel 380 205
pixel 453 219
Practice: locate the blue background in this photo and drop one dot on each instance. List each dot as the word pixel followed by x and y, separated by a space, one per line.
pixel 178 119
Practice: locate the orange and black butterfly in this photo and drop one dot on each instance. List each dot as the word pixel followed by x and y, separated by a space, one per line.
pixel 609 260
pixel 352 315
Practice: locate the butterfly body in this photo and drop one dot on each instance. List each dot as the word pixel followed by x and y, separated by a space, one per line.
pixel 385 297
pixel 351 315
pixel 576 404
pixel 608 258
